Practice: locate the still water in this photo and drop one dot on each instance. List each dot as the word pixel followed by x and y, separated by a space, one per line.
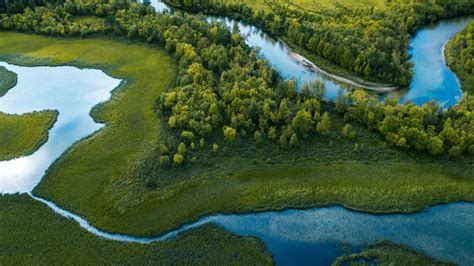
pixel 71 91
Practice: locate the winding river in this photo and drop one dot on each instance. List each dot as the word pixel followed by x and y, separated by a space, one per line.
pixel 312 236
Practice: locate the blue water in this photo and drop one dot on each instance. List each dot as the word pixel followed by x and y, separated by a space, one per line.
pixel 318 236
pixel 433 79
pixel 294 237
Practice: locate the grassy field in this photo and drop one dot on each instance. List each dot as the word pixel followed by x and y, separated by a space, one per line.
pixel 113 180
pixel 32 234
pixel 311 4
pixel 387 253
pixel 21 135
pixel 8 80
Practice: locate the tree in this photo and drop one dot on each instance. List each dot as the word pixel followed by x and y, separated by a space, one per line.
pixel 349 132
pixel 324 126
pixel 294 140
pixel 178 159
pixel 182 148
pixel 229 133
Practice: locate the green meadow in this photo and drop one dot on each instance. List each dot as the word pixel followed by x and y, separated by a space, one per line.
pixel 108 179
pixel 21 135
pixel 8 80
pixel 32 234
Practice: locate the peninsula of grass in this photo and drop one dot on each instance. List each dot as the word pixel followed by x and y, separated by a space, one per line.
pixel 459 55
pixel 114 181
pixel 21 135
pixel 32 234
pixel 8 80
pixel 387 253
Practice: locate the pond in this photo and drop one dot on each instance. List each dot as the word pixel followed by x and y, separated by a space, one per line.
pixel 71 91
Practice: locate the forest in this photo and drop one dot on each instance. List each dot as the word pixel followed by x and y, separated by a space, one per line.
pixel 460 56
pixel 372 43
pixel 223 88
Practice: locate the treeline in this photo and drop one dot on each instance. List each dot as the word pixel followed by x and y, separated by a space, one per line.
pixel 223 90
pixel 425 128
pixel 222 87
pixel 370 42
pixel 460 55
pixel 17 6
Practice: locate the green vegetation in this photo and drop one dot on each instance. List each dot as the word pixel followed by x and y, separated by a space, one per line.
pixel 387 253
pixel 127 181
pixel 21 135
pixel 370 42
pixel 34 234
pixel 8 80
pixel 409 126
pixel 460 57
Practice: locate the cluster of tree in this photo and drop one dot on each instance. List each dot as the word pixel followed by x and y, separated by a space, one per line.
pixel 56 17
pixel 222 87
pixel 460 53
pixel 425 128
pixel 370 42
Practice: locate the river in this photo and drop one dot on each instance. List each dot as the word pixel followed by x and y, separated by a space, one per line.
pixel 295 237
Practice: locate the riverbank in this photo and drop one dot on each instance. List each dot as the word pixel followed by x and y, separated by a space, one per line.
pixel 366 175
pixel 22 135
pixel 388 253
pixel 323 66
pixel 334 72
pixel 8 80
pixel 34 234
pixel 454 48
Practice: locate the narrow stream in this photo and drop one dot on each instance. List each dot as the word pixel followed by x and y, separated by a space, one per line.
pixel 295 237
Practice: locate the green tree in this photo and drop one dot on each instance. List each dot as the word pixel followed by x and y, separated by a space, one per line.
pixel 324 126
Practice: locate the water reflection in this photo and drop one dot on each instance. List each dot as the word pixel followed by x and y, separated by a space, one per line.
pixel 433 80
pixel 71 91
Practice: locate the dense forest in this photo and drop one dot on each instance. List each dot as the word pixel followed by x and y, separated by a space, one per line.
pixel 460 55
pixel 222 88
pixel 370 42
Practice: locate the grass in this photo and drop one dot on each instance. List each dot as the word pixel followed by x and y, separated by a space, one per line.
pixel 32 234
pixel 21 135
pixel 312 4
pixel 8 80
pixel 113 179
pixel 387 253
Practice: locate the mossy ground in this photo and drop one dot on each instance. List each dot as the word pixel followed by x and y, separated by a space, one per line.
pixel 8 80
pixel 32 234
pixel 21 135
pixel 387 253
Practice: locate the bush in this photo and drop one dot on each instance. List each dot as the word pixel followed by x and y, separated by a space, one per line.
pixel 349 132
pixel 178 159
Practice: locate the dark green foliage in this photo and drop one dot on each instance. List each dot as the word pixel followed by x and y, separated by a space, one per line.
pixel 32 234
pixel 387 253
pixel 370 42
pixel 8 80
pixel 409 126
pixel 460 56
